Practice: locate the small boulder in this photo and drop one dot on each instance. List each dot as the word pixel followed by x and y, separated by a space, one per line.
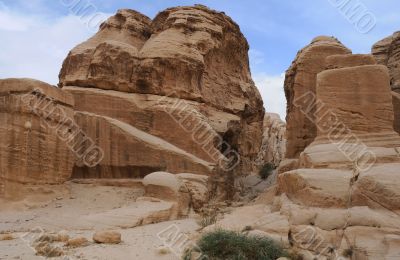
pixel 107 237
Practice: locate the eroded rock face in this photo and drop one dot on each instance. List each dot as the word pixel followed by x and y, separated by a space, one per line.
pixel 34 148
pixel 340 197
pixel 189 54
pixel 387 52
pixel 273 146
pixel 300 79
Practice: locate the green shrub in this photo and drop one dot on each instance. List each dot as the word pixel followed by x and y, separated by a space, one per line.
pixel 230 245
pixel 266 170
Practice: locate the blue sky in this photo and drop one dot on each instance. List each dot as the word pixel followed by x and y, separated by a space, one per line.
pixel 36 35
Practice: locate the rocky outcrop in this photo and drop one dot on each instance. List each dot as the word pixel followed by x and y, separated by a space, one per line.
pixel 387 52
pixel 186 191
pixel 35 146
pixel 301 80
pixel 273 146
pixel 186 70
pixel 340 197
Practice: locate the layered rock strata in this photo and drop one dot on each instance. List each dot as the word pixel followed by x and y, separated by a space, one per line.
pixel 186 70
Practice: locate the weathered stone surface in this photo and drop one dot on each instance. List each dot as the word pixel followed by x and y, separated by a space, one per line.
pixel 359 129
pixel 301 79
pixel 379 188
pixel 33 149
pixel 372 243
pixel 169 187
pixel 387 52
pixel 348 60
pixel 340 194
pixel 358 155
pixel 192 51
pixel 197 186
pixel 273 146
pixel 132 153
pixel 191 54
pixel 365 101
pixel 317 187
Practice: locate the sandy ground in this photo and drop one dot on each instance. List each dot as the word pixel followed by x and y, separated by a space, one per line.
pixel 82 209
pixel 138 243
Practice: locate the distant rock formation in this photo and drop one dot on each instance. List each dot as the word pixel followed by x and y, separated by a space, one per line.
pixel 300 79
pixel 191 62
pixel 34 146
pixel 273 146
pixel 387 52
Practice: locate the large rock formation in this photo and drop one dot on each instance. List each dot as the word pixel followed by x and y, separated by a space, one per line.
pixel 352 163
pixel 189 62
pixel 301 79
pixel 387 52
pixel 340 199
pixel 35 147
pixel 273 146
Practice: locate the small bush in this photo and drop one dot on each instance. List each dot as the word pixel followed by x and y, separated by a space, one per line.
pixel 266 170
pixel 208 219
pixel 348 252
pixel 230 245
pixel 6 237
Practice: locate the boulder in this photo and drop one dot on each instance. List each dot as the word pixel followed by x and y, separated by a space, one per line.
pixel 301 80
pixel 36 147
pixel 379 187
pixel 317 187
pixel 169 187
pixel 197 186
pixel 107 237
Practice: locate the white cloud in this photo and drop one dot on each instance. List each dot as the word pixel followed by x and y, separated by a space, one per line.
pixel 35 46
pixel 272 92
pixel 10 21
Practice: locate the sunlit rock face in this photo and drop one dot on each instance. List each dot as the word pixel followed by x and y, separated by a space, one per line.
pixel 34 146
pixel 137 72
pixel 301 78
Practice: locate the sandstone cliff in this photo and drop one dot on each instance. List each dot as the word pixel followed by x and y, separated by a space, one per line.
pixel 301 79
pixel 182 79
pixel 34 148
pixel 387 52
pixel 340 198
